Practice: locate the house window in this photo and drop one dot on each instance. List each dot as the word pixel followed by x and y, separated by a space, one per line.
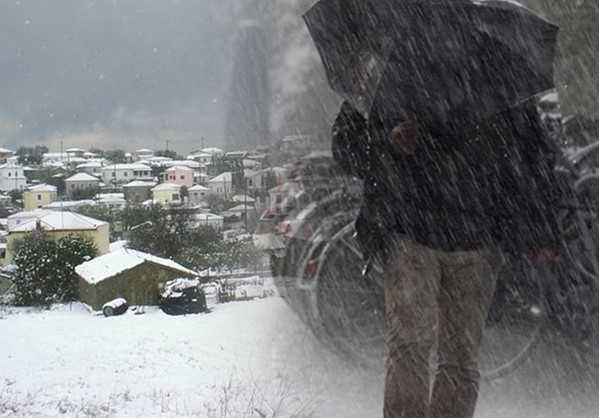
pixel 175 196
pixel 182 177
pixel 125 174
pixel 9 174
pixel 250 182
pixel 39 197
pixel 113 174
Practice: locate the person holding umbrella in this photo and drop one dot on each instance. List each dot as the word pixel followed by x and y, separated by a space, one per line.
pixel 439 119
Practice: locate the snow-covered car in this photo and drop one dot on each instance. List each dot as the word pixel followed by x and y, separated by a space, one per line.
pixel 182 296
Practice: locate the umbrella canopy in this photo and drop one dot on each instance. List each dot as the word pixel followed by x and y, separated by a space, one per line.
pixel 433 60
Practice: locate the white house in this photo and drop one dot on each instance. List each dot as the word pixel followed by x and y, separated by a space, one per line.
pixel 91 167
pixel 125 173
pixel 81 181
pixel 200 157
pixel 12 176
pixel 111 200
pixel 208 219
pixel 221 184
pixel 143 154
pixel 197 194
pixel 255 180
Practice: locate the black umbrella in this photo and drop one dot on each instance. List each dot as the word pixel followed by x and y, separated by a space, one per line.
pixel 433 60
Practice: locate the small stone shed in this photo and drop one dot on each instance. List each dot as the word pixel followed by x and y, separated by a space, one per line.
pixel 126 273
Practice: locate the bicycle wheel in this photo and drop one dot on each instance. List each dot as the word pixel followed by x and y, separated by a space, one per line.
pixel 516 319
pixel 349 306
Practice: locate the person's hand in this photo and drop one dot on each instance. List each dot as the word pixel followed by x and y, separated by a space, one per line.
pixel 545 254
pixel 404 137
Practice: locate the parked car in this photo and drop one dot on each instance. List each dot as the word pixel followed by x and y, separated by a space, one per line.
pixel 182 296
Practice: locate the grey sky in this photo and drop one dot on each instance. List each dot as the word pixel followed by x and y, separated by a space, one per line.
pixel 113 73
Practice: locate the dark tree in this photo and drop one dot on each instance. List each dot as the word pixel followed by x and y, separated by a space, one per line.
pixel 45 269
pixel 116 156
pixel 32 156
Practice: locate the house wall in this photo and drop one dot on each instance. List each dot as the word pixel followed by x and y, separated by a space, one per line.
pixel 139 286
pixel 170 196
pixel 81 185
pixel 12 178
pixel 180 177
pixel 100 237
pixel 33 200
pixel 222 188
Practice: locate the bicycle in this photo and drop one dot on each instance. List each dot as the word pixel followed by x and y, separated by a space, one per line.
pixel 348 315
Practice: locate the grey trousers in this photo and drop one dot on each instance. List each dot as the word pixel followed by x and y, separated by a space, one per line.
pixel 437 296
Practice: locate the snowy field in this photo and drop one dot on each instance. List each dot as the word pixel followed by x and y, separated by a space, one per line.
pixel 243 359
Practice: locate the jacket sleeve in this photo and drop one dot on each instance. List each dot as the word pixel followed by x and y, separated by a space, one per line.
pixel 350 141
pixel 540 191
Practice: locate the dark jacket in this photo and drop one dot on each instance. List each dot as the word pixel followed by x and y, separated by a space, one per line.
pixel 466 187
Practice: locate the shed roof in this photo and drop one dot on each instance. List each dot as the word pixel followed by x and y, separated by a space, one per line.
pixel 111 264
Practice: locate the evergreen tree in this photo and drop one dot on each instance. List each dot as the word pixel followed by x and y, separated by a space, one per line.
pixel 45 269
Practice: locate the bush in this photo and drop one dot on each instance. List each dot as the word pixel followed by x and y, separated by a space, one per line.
pixel 45 269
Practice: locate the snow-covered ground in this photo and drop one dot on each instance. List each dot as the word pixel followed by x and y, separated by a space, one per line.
pixel 243 359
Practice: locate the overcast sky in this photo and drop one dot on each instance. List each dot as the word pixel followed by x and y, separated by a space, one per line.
pixel 113 73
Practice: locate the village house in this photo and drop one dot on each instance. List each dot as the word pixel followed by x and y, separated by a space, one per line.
pixel 12 176
pixel 197 194
pixel 208 219
pixel 180 175
pixel 5 155
pixel 125 173
pixel 133 275
pixel 80 182
pixel 143 154
pixel 222 184
pixel 138 191
pixel 36 197
pixel 168 193
pixel 91 167
pixel 56 225
pixel 111 201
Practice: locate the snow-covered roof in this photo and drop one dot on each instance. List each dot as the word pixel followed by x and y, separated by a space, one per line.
pixel 75 150
pixel 212 150
pixel 111 198
pixel 166 187
pixel 59 221
pixel 143 151
pixel 207 216
pixel 242 208
pixel 42 188
pixel 249 173
pixel 113 263
pixel 133 166
pixel 199 188
pixel 140 183
pixel 222 178
pixel 117 245
pixel 5 151
pixel 82 177
pixel 239 198
pixel 178 168
pixel 198 154
pixel 28 214
pixel 91 164
pixel 68 204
